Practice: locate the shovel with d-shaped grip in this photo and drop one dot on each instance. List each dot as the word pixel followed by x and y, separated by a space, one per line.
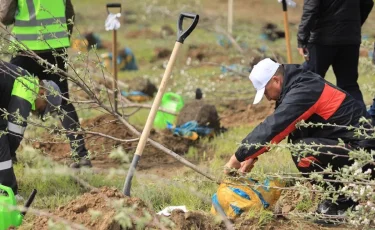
pixel 181 36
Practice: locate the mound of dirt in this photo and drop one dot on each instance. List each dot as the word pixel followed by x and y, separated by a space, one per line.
pixel 142 33
pixel 272 32
pixel 143 85
pixel 196 52
pixel 97 210
pixel 106 83
pixel 166 30
pixel 161 53
pixel 83 210
pixel 242 112
pixel 290 199
pixel 208 52
pixel 194 220
pixel 205 114
pixel 101 146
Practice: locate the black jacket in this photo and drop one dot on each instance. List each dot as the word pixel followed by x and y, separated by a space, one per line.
pixel 333 22
pixel 12 104
pixel 304 96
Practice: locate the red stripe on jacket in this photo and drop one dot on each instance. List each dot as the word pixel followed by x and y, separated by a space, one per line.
pixel 306 162
pixel 327 104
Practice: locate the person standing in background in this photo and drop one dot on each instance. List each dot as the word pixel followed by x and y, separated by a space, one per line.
pixel 330 35
pixel 43 27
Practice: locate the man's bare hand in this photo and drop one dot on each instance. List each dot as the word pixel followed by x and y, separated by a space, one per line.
pixel 233 164
pixel 248 165
pixel 300 51
pixel 304 53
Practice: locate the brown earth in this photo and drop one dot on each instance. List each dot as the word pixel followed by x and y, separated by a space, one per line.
pixel 105 201
pixel 142 33
pixel 194 220
pixel 161 53
pixel 213 53
pixel 100 146
pixel 289 200
pixel 198 110
pixel 106 83
pixel 143 85
pixel 207 52
pixel 241 112
pixel 138 84
pixel 166 30
pixel 97 210
pixel 80 211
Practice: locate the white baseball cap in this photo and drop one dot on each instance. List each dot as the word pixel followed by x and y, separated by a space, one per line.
pixel 261 75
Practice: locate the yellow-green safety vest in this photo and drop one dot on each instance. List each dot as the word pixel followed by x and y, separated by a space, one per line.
pixel 26 87
pixel 41 24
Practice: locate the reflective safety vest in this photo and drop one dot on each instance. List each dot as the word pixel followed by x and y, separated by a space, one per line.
pixel 27 88
pixel 41 24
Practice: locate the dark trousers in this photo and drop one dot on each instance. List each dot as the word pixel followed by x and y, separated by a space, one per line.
pixel 7 176
pixel 70 121
pixel 344 61
pixel 317 163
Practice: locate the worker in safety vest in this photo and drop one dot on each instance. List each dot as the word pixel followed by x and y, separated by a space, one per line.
pixel 20 94
pixel 44 26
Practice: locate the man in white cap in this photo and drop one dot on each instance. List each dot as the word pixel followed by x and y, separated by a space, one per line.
pixel 301 95
pixel 20 94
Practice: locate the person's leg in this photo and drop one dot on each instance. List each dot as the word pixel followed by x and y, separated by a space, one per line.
pixel 317 163
pixel 31 66
pixel 320 58
pixel 345 67
pixel 70 119
pixel 371 112
pixel 28 64
pixel 7 176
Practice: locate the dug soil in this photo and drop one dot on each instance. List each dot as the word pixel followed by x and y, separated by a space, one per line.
pixel 142 33
pixel 99 209
pixel 197 110
pixel 100 146
pixel 240 112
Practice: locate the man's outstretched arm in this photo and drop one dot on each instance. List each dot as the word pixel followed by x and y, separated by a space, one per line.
pixel 299 104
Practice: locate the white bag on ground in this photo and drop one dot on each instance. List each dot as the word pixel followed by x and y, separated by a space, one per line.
pixel 168 210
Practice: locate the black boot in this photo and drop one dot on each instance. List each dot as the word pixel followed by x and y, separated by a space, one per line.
pixel 327 212
pixel 345 204
pixel 326 207
pixel 333 214
pixel 82 162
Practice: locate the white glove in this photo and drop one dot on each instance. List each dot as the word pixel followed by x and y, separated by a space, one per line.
pixel 112 22
pixel 290 3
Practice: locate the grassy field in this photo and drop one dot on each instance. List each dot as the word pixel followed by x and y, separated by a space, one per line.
pixel 57 185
